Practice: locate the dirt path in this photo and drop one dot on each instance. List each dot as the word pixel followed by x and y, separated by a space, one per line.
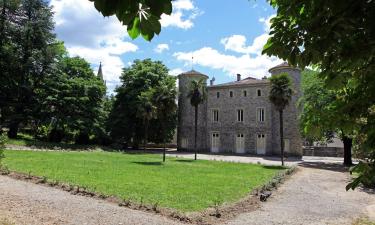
pixel 29 204
pixel 315 195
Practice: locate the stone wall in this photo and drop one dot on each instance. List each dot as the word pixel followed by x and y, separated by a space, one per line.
pixel 229 127
pixel 323 151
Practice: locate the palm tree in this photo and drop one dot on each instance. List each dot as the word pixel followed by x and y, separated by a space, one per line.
pixel 165 99
pixel 146 111
pixel 197 95
pixel 280 96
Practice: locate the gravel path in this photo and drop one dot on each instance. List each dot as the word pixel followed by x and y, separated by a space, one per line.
pixel 29 204
pixel 315 195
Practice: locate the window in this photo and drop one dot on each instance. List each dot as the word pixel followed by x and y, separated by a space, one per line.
pixel 240 115
pixel 215 115
pixel 260 114
pixel 217 94
pixel 184 143
pixel 231 94
pixel 286 145
pixel 259 92
pixel 245 93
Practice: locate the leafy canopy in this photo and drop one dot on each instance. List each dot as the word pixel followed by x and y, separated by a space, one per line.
pixel 144 85
pixel 281 92
pixel 197 93
pixel 142 17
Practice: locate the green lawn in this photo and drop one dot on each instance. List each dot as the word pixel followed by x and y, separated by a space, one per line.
pixel 181 184
pixel 28 140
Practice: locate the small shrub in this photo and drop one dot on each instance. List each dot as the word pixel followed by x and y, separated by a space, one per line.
pixel 2 147
pixel 155 207
pixel 217 202
pixel 366 175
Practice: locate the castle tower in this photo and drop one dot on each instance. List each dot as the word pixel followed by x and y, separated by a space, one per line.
pixel 292 136
pixel 185 128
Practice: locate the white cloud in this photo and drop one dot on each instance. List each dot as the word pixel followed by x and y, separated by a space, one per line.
pixel 161 48
pixel 183 5
pixel 237 43
pixel 176 71
pixel 184 12
pixel 266 22
pixel 108 54
pixel 208 57
pixel 88 34
pixel 250 63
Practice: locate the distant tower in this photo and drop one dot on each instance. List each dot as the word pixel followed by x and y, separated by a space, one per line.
pixel 185 129
pixel 291 113
pixel 100 74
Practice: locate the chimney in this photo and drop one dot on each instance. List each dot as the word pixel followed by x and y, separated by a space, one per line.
pixel 238 77
pixel 264 78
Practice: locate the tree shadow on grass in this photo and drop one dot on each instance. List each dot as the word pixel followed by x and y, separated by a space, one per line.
pixel 149 163
pixel 185 160
pixel 274 167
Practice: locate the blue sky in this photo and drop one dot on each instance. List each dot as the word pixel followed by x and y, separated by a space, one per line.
pixel 225 38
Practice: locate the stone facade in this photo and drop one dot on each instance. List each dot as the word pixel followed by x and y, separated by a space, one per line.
pixel 237 117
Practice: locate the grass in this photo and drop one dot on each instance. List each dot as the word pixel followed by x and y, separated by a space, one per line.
pixel 28 140
pixel 181 184
pixel 4 221
pixel 363 221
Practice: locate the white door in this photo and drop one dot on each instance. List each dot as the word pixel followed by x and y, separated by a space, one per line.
pixel 240 144
pixel 215 142
pixel 286 145
pixel 261 144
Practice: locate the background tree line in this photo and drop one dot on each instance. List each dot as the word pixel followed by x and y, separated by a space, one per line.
pixel 58 98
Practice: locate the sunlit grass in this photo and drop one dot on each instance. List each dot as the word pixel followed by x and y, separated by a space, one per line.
pixel 181 184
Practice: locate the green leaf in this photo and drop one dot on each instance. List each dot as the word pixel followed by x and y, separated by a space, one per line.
pixel 302 10
pixel 267 46
pixel 105 8
pixel 155 24
pixel 134 28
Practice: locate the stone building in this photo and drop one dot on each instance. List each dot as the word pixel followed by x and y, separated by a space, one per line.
pixel 237 117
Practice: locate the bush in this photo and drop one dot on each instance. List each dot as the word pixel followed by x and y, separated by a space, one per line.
pixel 2 147
pixel 366 175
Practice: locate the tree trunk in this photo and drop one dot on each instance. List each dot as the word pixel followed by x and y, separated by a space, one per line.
pixel 163 132
pixel 196 132
pixel 281 136
pixel 13 130
pixel 348 142
pixel 146 135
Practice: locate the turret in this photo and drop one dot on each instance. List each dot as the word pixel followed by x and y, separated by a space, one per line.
pixel 293 143
pixel 294 73
pixel 185 136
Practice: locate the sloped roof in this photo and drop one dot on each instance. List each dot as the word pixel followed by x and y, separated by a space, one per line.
pixel 193 73
pixel 282 66
pixel 243 82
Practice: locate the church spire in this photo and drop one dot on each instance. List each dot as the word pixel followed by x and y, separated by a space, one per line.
pixel 100 72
